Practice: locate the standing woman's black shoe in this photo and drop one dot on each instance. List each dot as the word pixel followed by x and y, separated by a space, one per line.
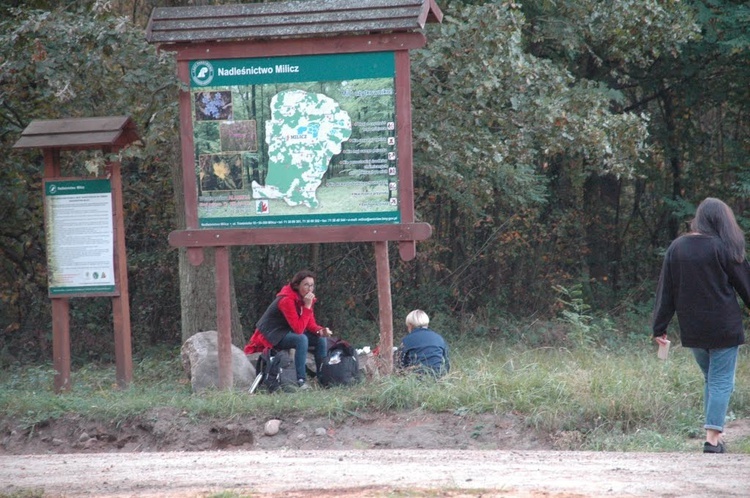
pixel 714 448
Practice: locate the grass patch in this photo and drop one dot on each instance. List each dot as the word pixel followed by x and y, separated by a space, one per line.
pixel 621 400
pixel 25 493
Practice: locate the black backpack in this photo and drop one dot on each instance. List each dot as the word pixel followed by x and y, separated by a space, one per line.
pixel 340 366
pixel 276 370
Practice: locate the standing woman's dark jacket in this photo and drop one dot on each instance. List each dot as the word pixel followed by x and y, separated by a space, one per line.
pixel 425 349
pixel 700 282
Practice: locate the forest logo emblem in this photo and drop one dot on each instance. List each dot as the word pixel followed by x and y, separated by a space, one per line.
pixel 202 73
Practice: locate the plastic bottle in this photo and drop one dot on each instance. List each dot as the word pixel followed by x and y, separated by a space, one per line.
pixel 663 352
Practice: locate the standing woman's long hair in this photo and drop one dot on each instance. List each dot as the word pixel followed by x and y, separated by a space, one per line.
pixel 714 217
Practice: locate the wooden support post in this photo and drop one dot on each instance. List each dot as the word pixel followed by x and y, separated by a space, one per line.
pixel 195 255
pixel 189 180
pixel 224 318
pixel 407 249
pixel 51 163
pixel 386 307
pixel 61 343
pixel 121 303
pixel 60 306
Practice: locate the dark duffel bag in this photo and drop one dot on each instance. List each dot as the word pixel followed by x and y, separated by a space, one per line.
pixel 340 366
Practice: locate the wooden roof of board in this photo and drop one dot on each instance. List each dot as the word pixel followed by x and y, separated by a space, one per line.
pixel 299 19
pixel 79 133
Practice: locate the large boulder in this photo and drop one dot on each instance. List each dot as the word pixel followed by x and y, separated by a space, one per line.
pixel 200 360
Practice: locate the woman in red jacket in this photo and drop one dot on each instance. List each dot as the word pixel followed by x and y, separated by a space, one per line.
pixel 289 323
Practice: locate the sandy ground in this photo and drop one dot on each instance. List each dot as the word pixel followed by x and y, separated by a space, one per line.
pixel 167 453
pixel 370 473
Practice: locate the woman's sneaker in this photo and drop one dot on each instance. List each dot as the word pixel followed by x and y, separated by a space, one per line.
pixel 302 385
pixel 714 448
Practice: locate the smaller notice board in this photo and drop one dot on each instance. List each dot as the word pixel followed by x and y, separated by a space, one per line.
pixel 79 233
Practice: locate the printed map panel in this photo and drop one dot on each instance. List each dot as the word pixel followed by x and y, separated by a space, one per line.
pixel 296 141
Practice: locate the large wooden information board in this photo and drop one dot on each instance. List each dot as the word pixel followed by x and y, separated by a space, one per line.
pixel 295 120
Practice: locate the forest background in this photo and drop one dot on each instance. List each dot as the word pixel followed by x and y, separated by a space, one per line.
pixel 559 146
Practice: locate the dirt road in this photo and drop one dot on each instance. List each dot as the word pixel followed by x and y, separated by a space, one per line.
pixel 377 473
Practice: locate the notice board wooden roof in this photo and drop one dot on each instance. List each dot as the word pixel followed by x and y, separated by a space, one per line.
pixel 79 133
pixel 301 18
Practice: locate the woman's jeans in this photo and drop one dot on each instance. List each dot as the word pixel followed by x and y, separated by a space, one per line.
pixel 300 343
pixel 718 367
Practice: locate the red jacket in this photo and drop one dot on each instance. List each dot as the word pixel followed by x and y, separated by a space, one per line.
pixel 287 313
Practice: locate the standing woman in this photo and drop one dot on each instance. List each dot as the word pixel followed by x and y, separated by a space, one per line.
pixel 289 323
pixel 703 272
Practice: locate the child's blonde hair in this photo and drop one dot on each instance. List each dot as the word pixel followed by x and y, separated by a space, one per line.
pixel 417 318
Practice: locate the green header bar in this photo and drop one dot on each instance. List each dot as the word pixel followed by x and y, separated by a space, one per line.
pixel 77 187
pixel 259 71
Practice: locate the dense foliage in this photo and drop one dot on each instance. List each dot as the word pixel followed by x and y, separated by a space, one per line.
pixel 559 147
pixel 69 63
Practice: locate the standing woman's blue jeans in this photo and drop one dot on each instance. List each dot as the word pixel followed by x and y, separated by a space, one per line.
pixel 300 343
pixel 718 366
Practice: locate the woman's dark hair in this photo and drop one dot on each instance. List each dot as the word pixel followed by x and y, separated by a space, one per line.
pixel 299 277
pixel 714 217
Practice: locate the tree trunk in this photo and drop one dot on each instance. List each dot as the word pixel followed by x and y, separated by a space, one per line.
pixel 601 197
pixel 672 150
pixel 198 297
pixel 315 258
pixel 198 283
